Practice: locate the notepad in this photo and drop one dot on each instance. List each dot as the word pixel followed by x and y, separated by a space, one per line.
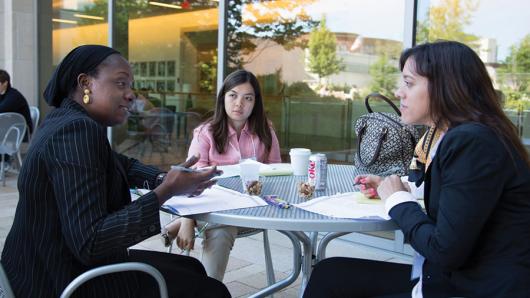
pixel 345 205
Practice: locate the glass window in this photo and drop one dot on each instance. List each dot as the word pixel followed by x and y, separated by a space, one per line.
pixel 316 61
pixel 77 22
pixel 168 43
pixel 499 33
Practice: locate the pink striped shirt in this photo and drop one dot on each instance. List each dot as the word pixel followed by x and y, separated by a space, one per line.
pixel 248 146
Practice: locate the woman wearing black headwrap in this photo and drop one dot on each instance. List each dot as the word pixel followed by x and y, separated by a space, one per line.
pixel 75 211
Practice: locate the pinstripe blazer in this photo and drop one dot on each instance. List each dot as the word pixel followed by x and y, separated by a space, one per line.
pixel 75 212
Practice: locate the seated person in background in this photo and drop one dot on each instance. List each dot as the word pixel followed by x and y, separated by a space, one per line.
pixel 141 102
pixel 238 130
pixel 11 100
pixel 75 212
pixel 473 239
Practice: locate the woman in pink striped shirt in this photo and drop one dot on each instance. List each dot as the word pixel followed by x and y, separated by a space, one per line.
pixel 238 130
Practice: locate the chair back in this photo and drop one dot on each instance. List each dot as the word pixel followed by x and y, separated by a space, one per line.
pixel 191 120
pixel 12 131
pixel 5 286
pixel 35 116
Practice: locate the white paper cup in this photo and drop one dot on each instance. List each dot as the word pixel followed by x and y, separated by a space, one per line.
pixel 299 160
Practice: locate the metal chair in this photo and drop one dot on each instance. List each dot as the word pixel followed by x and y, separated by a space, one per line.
pixel 12 130
pixel 187 121
pixel 35 116
pixel 7 292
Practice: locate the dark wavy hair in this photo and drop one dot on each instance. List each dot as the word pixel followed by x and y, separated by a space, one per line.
pixel 4 77
pixel 257 121
pixel 460 90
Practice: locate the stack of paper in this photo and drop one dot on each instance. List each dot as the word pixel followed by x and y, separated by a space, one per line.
pixel 217 198
pixel 346 205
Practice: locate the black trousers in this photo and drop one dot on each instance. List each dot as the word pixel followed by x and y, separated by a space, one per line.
pixel 185 276
pixel 348 277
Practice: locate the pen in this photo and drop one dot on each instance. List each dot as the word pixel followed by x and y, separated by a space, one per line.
pixel 188 170
pixel 274 200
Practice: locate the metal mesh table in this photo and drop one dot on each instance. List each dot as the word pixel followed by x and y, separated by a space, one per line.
pixel 294 222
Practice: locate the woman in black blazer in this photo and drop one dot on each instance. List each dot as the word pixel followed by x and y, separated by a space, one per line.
pixel 473 239
pixel 75 211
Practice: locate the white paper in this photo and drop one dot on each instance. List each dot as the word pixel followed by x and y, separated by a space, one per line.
pixel 344 206
pixel 217 198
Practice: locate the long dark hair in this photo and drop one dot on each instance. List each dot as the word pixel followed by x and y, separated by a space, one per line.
pixel 257 121
pixel 460 90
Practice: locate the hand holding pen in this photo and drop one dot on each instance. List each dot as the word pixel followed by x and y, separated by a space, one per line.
pixel 186 181
pixel 368 184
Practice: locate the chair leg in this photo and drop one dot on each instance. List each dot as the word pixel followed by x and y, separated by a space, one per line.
pixel 268 259
pixel 2 174
pixel 19 159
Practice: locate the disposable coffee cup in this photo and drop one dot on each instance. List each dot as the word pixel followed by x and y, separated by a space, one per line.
pixel 299 160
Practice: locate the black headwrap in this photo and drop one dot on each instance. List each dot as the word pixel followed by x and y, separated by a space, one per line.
pixel 82 59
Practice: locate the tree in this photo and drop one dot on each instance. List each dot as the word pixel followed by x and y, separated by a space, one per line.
pixel 384 75
pixel 447 21
pixel 514 75
pixel 323 58
pixel 269 24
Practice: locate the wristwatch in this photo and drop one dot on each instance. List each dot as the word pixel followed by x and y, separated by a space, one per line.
pixel 160 178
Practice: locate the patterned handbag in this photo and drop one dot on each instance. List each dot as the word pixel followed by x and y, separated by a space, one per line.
pixel 385 146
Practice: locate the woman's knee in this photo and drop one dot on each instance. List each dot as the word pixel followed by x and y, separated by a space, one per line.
pixel 226 234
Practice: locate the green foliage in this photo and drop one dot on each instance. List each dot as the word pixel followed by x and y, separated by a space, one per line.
pixel 514 76
pixel 447 21
pixel 518 61
pixel 299 89
pixel 208 75
pixel 323 58
pixel 384 76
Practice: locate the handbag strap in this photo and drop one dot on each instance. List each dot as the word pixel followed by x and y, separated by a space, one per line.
pixel 380 96
pixel 380 140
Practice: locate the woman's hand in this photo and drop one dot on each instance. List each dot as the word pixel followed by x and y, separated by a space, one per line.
pixel 179 182
pixel 368 184
pixel 389 186
pixel 186 234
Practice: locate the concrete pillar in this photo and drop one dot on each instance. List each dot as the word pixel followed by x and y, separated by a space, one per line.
pixel 18 49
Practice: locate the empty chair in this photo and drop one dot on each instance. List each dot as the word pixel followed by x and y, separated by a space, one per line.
pixel 12 130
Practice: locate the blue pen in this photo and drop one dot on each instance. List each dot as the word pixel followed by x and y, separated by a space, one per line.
pixel 274 200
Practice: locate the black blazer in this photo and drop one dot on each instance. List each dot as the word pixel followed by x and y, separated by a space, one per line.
pixel 13 101
pixel 476 233
pixel 75 212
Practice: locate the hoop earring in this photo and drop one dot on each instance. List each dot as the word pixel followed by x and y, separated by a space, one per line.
pixel 86 97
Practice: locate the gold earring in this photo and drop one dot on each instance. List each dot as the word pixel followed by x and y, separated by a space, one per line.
pixel 86 97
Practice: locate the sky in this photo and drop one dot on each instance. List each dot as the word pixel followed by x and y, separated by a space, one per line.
pixel 508 21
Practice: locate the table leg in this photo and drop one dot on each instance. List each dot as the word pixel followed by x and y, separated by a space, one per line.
pixel 294 274
pixel 307 259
